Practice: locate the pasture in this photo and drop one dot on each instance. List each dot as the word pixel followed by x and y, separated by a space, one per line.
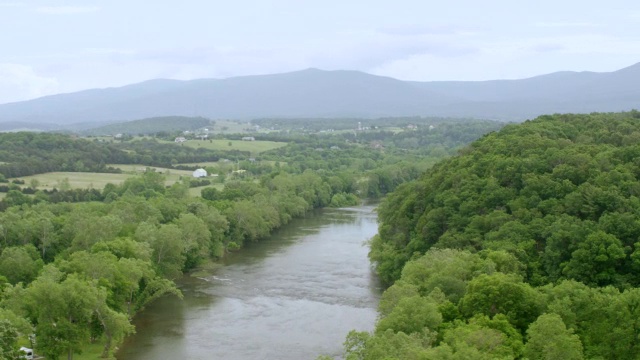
pixel 196 191
pixel 254 147
pixel 139 169
pixel 203 164
pixel 86 180
pixel 77 180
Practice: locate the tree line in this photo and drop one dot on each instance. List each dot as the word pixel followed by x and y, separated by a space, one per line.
pixel 25 153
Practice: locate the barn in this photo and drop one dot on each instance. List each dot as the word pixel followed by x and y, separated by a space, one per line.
pixel 200 173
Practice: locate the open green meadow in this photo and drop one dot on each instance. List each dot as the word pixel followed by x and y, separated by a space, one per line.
pixel 196 191
pixel 77 180
pixel 203 164
pixel 229 127
pixel 255 147
pixel 139 169
pixel 86 180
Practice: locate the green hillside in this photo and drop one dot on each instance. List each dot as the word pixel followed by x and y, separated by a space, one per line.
pixel 524 246
pixel 152 125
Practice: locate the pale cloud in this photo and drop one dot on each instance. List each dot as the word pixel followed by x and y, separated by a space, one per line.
pixel 566 24
pixel 548 47
pixel 64 10
pixel 414 30
pixel 110 51
pixel 516 59
pixel 20 82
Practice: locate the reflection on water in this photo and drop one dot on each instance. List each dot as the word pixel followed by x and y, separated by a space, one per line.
pixel 293 296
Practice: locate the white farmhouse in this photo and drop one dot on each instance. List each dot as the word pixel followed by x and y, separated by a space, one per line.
pixel 200 173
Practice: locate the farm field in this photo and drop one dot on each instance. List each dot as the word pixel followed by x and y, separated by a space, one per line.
pixel 78 180
pixel 195 191
pixel 139 169
pixel 202 164
pixel 84 180
pixel 255 147
pixel 229 127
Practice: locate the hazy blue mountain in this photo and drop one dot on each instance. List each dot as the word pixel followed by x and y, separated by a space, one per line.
pixel 318 93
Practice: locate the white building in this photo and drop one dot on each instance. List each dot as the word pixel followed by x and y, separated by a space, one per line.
pixel 200 173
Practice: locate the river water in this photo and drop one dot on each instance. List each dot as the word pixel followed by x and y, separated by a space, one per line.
pixel 295 296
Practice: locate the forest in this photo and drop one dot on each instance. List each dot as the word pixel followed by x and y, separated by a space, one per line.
pixel 522 246
pixel 77 264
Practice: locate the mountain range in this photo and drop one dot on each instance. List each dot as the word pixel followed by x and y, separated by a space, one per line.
pixel 318 93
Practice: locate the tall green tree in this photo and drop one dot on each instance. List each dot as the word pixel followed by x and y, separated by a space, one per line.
pixel 549 339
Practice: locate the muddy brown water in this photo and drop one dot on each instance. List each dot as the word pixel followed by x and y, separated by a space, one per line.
pixel 295 295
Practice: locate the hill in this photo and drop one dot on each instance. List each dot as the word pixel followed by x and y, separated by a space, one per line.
pixel 151 126
pixel 317 93
pixel 524 246
pixel 538 190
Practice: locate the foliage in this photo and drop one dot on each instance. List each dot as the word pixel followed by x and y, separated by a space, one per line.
pixel 117 249
pixel 536 190
pixel 549 339
pixel 526 241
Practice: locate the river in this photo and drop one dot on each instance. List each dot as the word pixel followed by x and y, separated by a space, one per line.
pixel 295 295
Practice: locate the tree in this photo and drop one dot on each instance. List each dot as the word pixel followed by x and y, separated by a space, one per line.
pixel 597 259
pixel 474 341
pixel 387 345
pixel 62 311
pixel 167 245
pixel 115 325
pixel 196 238
pixel 20 264
pixel 414 314
pixel 549 339
pixel 390 298
pixel 8 340
pixel 502 294
pixel 447 269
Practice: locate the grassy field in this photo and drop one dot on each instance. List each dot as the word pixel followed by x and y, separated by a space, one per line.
pixel 83 180
pixel 76 179
pixel 92 352
pixel 255 147
pixel 99 180
pixel 139 169
pixel 229 127
pixel 203 164
pixel 196 190
pixel 2 195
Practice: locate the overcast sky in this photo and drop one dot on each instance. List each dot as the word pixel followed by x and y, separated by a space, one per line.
pixel 49 47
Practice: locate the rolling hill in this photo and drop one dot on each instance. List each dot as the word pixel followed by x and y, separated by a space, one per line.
pixel 151 125
pixel 318 93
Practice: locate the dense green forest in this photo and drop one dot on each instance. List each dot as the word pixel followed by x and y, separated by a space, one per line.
pixel 77 264
pixel 524 246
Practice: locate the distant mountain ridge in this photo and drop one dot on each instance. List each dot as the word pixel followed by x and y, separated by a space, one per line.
pixel 319 93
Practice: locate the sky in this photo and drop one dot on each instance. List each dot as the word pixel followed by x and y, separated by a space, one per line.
pixel 49 47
